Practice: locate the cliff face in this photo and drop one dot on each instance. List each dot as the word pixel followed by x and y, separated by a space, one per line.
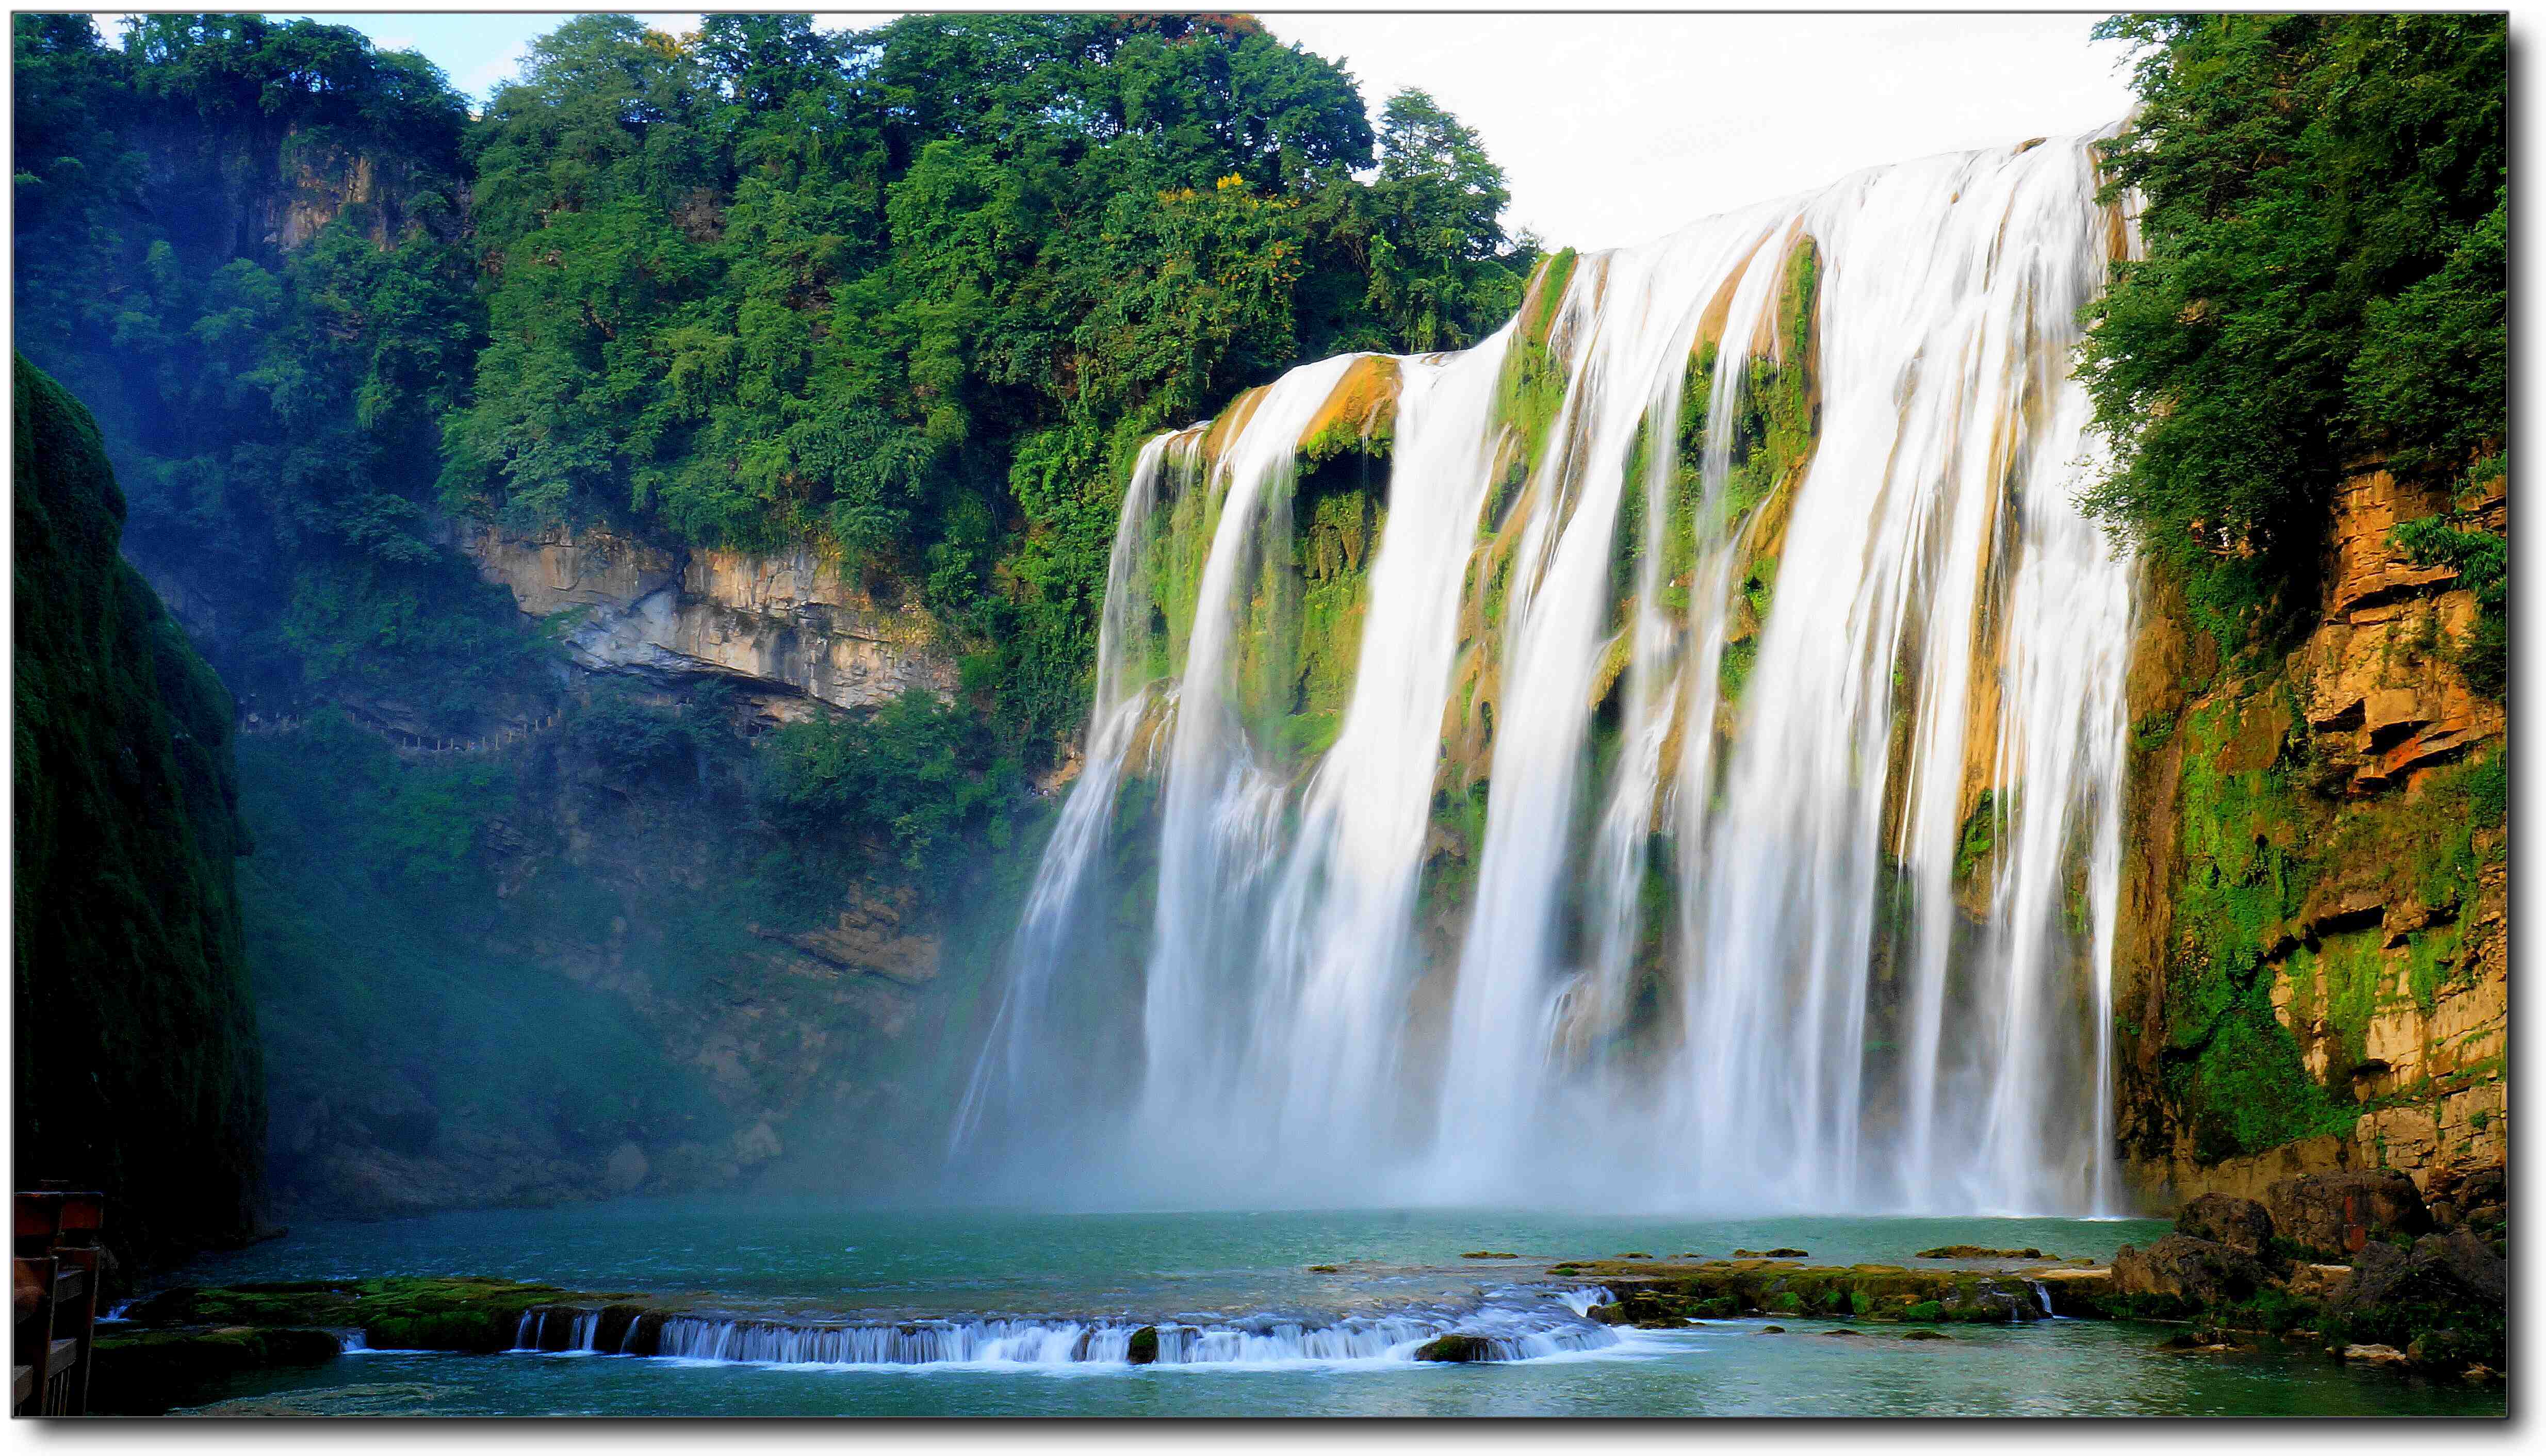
pixel 622 978
pixel 601 992
pixel 136 1057
pixel 2313 971
pixel 788 626
pixel 261 188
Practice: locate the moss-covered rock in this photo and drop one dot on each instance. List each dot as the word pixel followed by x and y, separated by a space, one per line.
pixel 476 1316
pixel 1661 1295
pixel 148 1372
pixel 1143 1347
pixel 1456 1349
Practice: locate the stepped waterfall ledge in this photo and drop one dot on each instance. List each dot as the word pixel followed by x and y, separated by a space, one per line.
pixel 1668 754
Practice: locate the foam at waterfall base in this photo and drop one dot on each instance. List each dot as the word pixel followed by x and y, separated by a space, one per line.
pixel 1518 1324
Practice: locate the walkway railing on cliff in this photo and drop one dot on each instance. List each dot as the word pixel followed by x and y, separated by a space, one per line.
pixel 259 726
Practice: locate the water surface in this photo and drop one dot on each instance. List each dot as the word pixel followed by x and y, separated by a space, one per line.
pixel 819 1259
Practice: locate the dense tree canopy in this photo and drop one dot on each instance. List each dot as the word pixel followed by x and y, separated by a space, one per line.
pixel 908 294
pixel 2326 216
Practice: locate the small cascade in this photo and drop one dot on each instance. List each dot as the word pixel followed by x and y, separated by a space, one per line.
pixel 1516 1323
pixel 1583 1299
pixel 1668 754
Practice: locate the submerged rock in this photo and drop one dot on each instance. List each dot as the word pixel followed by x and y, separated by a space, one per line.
pixel 476 1316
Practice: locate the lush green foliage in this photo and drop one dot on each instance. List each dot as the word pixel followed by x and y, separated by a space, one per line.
pixel 909 295
pixel 271 412
pixel 2325 212
pixel 901 776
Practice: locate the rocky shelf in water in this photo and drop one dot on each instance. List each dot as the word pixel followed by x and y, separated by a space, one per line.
pixel 172 1348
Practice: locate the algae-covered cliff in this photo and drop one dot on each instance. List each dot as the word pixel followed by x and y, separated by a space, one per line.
pixel 2314 970
pixel 136 1064
pixel 2303 377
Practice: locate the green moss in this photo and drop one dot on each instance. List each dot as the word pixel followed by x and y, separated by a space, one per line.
pixel 422 1314
pixel 137 1068
pixel 1980 834
pixel 153 1371
pixel 2430 961
pixel 2242 878
pixel 1732 669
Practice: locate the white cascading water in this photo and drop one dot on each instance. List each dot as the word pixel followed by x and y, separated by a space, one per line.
pixel 1878 988
pixel 1517 1323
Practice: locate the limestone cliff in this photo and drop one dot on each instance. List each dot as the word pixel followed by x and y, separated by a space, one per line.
pixel 782 625
pixel 136 1050
pixel 2313 970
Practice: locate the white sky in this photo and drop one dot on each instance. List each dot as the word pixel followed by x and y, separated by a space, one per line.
pixel 1616 128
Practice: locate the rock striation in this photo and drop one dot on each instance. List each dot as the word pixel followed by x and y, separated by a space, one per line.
pixel 788 623
pixel 2311 974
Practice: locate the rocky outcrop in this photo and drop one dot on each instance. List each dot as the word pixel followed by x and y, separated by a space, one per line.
pixel 2180 1273
pixel 2312 972
pixel 791 624
pixel 2437 1303
pixel 2239 1224
pixel 2337 1215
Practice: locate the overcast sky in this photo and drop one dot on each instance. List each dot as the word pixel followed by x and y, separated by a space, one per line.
pixel 1615 128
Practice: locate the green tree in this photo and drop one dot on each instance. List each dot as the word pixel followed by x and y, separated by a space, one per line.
pixel 2325 216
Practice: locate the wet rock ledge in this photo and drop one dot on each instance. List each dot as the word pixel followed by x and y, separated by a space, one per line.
pixel 1670 1294
pixel 172 1348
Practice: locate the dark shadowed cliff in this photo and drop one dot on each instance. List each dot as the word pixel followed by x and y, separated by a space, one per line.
pixel 137 1068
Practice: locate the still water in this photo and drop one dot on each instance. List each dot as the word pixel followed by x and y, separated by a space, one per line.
pixel 811 1259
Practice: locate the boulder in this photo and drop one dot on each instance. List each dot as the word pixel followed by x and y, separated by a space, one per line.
pixel 2445 1300
pixel 2241 1223
pixel 1456 1349
pixel 2440 1269
pixel 2186 1272
pixel 2374 1354
pixel 2479 1200
pixel 1143 1347
pixel 2336 1215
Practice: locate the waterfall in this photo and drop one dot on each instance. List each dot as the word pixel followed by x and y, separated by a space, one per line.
pixel 1668 754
